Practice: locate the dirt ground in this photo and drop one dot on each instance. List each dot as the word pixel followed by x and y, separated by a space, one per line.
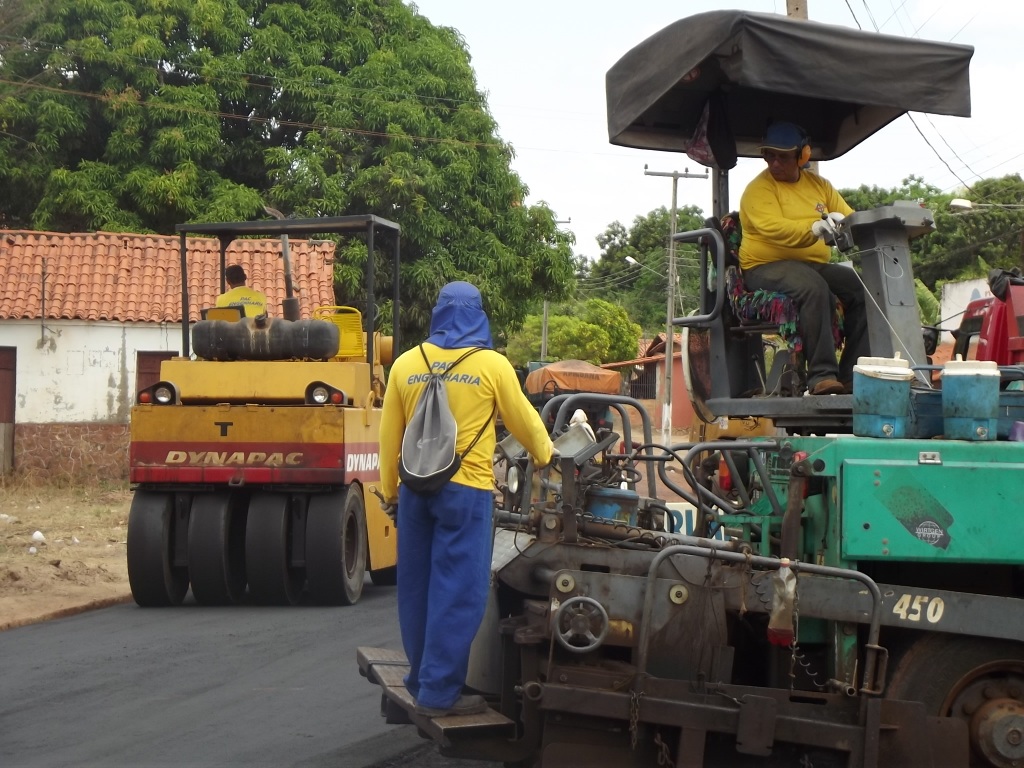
pixel 61 551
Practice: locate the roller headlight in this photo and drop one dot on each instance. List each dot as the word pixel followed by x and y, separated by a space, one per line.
pixel 163 394
pixel 320 393
pixel 513 479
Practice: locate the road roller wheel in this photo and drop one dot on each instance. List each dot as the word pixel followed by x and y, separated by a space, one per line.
pixel 336 547
pixel 272 580
pixel 216 548
pixel 154 579
pixel 977 680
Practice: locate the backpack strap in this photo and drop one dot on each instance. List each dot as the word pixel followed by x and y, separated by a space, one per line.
pixel 463 356
pixel 480 433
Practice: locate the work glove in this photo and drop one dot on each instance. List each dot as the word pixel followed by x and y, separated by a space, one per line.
pixel 822 229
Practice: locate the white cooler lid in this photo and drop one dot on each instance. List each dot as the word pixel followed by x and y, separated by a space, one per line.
pixel 970 368
pixel 891 368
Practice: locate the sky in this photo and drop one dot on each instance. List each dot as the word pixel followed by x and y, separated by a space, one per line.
pixel 541 65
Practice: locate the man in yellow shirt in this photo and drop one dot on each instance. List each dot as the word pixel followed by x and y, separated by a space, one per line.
pixel 254 302
pixel 778 252
pixel 444 539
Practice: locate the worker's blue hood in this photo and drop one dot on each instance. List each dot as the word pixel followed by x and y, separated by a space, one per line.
pixel 458 319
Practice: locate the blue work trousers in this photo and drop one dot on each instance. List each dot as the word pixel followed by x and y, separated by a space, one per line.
pixel 813 288
pixel 444 570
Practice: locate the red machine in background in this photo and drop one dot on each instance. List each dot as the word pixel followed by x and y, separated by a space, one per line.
pixel 993 328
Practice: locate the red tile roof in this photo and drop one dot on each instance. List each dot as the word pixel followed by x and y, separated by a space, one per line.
pixel 137 278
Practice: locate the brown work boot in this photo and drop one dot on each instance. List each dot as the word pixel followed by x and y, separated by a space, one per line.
pixel 465 705
pixel 828 387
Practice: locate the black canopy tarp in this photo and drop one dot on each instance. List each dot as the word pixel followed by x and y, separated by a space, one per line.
pixel 841 85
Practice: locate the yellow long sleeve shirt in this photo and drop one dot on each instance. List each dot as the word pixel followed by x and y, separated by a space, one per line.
pixel 254 302
pixel 482 381
pixel 776 218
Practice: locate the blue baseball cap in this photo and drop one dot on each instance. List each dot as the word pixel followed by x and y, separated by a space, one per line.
pixel 784 137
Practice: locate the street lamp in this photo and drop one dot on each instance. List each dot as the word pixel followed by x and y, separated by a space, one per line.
pixel 631 260
pixel 679 295
pixel 960 205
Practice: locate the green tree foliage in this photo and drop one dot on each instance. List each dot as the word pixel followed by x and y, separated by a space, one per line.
pixel 642 288
pixel 964 244
pixel 913 188
pixel 14 16
pixel 135 115
pixel 593 330
pixel 616 300
pixel 989 235
pixel 928 303
pixel 622 332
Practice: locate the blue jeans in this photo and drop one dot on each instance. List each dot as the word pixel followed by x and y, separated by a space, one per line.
pixel 813 288
pixel 444 570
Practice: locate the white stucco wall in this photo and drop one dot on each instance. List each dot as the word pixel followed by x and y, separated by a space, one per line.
pixel 72 370
pixel 956 297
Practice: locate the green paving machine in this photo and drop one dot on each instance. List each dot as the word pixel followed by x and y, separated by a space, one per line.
pixel 846 592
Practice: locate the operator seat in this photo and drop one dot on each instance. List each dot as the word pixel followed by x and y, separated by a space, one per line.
pixel 767 314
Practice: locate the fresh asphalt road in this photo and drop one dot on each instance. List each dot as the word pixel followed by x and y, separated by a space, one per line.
pixel 203 687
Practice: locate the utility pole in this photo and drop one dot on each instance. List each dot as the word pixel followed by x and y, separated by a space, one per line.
pixel 544 322
pixel 796 9
pixel 670 332
pixel 544 335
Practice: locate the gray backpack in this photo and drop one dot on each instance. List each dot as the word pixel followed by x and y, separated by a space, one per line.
pixel 429 459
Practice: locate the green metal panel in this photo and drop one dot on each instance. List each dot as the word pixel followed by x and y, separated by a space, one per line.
pixel 930 500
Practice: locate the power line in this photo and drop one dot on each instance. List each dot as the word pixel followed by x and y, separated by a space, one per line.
pixel 917 30
pixel 895 10
pixel 965 25
pixel 273 81
pixel 252 118
pixel 950 148
pixel 909 115
pixel 850 8
pixel 871 16
pixel 608 282
pixel 933 149
pixel 971 246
